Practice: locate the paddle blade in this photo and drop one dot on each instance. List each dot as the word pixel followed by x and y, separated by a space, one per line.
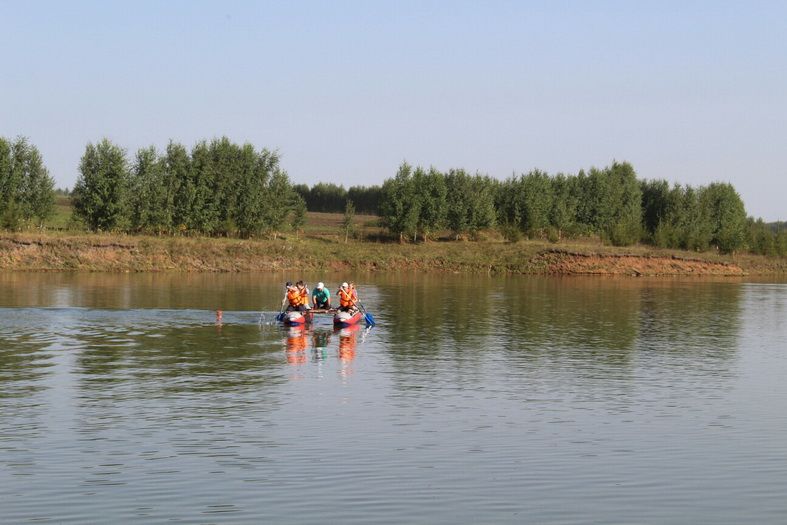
pixel 280 316
pixel 369 319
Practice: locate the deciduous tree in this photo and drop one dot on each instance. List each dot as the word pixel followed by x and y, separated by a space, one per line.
pixel 100 194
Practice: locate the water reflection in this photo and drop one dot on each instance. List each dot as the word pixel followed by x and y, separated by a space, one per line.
pixel 297 344
pixel 303 342
pixel 24 364
pixel 149 290
pixel 579 325
pixel 348 341
pixel 564 400
pixel 690 317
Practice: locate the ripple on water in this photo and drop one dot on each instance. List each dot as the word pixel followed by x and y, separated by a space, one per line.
pixel 581 402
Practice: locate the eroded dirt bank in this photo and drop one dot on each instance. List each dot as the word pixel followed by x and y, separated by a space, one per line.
pixel 558 262
pixel 107 253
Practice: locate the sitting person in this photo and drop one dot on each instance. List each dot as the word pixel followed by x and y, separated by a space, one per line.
pixel 293 299
pixel 321 297
pixel 347 298
pixel 303 293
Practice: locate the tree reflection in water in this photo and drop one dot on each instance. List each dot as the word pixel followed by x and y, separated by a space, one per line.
pixel 582 326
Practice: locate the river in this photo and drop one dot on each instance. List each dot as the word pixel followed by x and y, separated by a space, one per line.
pixel 473 400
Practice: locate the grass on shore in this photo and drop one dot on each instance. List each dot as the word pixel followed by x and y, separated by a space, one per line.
pixel 105 252
pixel 319 246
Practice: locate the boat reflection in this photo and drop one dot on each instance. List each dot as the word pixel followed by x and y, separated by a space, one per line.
pixel 348 341
pixel 321 340
pixel 300 339
pixel 296 345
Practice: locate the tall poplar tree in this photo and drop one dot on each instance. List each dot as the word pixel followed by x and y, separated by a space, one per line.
pixel 101 192
pixel 248 213
pixel 181 190
pixel 203 214
pixel 150 209
pixel 458 201
pixel 431 189
pixel 26 189
pixel 470 202
pixel 347 220
pixel 563 214
pixel 399 205
pixel 278 201
pixel 726 215
pixel 534 195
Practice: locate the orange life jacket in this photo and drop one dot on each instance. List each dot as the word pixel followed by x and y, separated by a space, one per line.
pixel 294 297
pixel 345 298
pixel 304 296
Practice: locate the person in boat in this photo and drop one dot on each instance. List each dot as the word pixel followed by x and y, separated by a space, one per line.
pixel 285 299
pixel 293 298
pixel 303 293
pixel 321 297
pixel 347 298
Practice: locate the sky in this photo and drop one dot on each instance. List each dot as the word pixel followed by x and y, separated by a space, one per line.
pixel 692 92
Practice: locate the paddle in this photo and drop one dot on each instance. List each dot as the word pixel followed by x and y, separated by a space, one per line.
pixel 369 318
pixel 280 315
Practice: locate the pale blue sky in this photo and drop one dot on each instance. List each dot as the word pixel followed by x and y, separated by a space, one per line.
pixel 690 91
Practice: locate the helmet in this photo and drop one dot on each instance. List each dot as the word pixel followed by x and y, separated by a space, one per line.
pixel 320 286
pixel 288 284
pixel 344 285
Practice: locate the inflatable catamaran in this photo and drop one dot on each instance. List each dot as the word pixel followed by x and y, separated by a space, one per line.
pixel 340 318
pixel 299 313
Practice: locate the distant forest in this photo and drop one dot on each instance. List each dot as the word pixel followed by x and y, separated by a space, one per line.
pixel 610 203
pixel 220 188
pixel 332 198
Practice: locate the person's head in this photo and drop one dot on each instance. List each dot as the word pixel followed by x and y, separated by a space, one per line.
pixel 344 285
pixel 300 284
pixel 320 286
pixel 288 284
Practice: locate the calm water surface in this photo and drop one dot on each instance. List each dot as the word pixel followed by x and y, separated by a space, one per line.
pixel 489 400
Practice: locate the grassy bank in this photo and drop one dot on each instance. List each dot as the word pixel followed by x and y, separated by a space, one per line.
pixel 322 249
pixel 320 246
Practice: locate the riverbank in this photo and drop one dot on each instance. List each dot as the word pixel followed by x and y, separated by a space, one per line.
pixel 125 253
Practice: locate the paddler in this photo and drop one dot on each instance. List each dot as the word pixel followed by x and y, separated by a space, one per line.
pixel 303 294
pixel 321 297
pixel 346 298
pixel 292 298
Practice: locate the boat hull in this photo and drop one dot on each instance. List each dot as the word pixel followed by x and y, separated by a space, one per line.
pixel 344 319
pixel 296 318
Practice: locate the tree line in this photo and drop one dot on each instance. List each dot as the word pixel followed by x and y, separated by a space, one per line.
pixel 27 192
pixel 610 203
pixel 223 188
pixel 418 202
pixel 217 188
pixel 332 198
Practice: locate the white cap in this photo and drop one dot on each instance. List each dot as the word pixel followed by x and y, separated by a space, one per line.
pixel 320 286
pixel 344 285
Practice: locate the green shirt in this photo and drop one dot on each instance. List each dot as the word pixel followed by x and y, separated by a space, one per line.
pixel 321 296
